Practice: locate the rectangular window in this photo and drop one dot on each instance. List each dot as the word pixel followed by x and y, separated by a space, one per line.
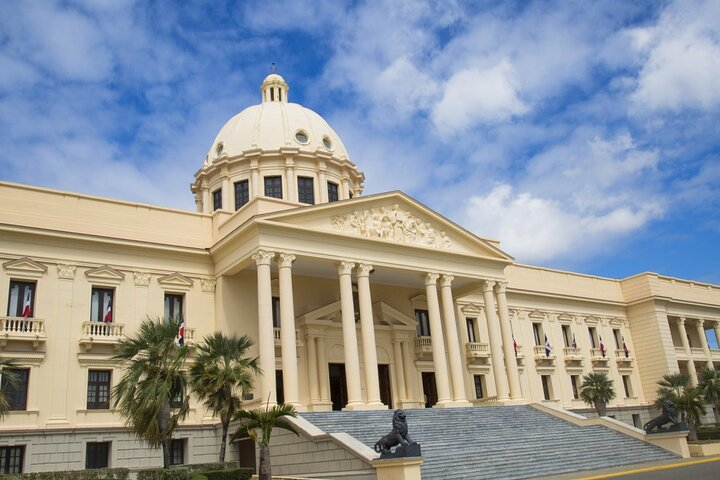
pixel 537 333
pixel 627 385
pixel 306 190
pixel 618 338
pixel 636 420
pixel 273 187
pixel 471 329
pixel 592 331
pixel 177 451
pixel 101 305
pixel 174 306
pixel 97 455
pixel 423 327
pixel 567 336
pixel 276 311
pixel 22 299
pixel 16 395
pixel 574 381
pixel 11 459
pixel 332 192
pixel 217 199
pixel 242 193
pixel 547 386
pixel 98 389
pixel 479 391
pixel 177 394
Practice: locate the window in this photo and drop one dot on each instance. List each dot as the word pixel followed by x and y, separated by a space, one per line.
pixel 574 380
pixel 567 336
pixel 627 385
pixel 217 199
pixel 479 391
pixel 618 338
pixel 423 327
pixel 332 192
pixel 101 305
pixel 177 451
pixel 547 386
pixel 22 299
pixel 636 420
pixel 471 329
pixel 242 193
pixel 97 455
pixel 276 311
pixel 174 306
pixel 273 187
pixel 537 333
pixel 306 190
pixel 17 394
pixel 592 331
pixel 98 389
pixel 11 459
pixel 177 393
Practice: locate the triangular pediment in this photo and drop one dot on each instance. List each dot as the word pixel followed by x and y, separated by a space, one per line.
pixel 175 280
pixel 105 272
pixel 389 218
pixel 25 265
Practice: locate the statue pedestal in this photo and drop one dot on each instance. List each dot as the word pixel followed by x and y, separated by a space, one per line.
pixel 406 468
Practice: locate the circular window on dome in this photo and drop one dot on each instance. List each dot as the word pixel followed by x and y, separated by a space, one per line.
pixel 328 144
pixel 301 137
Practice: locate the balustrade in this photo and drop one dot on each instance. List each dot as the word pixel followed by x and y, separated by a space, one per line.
pixel 22 329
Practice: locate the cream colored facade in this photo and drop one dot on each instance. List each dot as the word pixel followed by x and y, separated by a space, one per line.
pixel 350 275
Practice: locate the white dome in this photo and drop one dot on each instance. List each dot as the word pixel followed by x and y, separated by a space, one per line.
pixel 276 124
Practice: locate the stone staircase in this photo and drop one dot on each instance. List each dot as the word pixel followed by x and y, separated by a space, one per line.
pixel 499 442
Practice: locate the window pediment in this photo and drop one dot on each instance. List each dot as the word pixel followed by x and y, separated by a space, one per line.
pixel 176 280
pixel 105 273
pixel 25 266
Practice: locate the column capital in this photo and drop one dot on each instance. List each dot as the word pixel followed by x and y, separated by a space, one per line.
pixel 285 260
pixel 487 285
pixel 364 269
pixel 681 320
pixel 345 268
pixel 446 280
pixel 263 257
pixel 431 278
pixel 500 287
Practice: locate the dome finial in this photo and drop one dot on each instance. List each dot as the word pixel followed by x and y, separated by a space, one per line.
pixel 274 88
pixel 273 68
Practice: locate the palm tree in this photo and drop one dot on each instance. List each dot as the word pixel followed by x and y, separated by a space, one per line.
pixel 265 421
pixel 220 375
pixel 709 385
pixel 146 396
pixel 688 400
pixel 597 390
pixel 8 377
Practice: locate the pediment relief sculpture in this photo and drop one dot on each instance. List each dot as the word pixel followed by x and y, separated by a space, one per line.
pixel 391 224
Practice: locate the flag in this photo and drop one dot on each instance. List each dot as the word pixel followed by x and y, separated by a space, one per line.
pixel 574 344
pixel 26 303
pixel 625 348
pixel 602 347
pixel 181 333
pixel 107 318
pixel 547 346
pixel 514 344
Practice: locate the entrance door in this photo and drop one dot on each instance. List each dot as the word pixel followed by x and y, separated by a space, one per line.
pixel 338 387
pixel 429 388
pixel 385 390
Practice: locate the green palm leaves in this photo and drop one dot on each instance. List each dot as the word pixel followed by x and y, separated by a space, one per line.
pixel 688 400
pixel 597 390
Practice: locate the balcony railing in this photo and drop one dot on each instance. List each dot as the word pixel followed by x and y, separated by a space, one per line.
pixel 573 355
pixel 597 355
pixel 423 345
pixel 22 329
pixel 477 350
pixel 540 353
pixel 697 352
pixel 278 338
pixel 100 333
pixel 620 355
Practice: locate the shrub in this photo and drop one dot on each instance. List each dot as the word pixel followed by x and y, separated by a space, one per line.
pixel 196 467
pixel 179 473
pixel 229 474
pixel 708 433
pixel 95 474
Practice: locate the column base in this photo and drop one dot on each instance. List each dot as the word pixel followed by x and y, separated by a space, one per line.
pixel 444 404
pixel 462 404
pixel 320 407
pixel 375 406
pixel 405 404
pixel 355 406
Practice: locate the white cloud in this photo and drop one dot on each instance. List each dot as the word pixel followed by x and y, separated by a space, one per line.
pixel 682 58
pixel 475 96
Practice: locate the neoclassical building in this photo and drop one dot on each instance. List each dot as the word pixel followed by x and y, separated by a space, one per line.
pixel 354 302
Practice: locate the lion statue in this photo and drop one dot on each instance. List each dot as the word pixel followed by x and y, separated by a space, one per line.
pixel 669 415
pixel 397 436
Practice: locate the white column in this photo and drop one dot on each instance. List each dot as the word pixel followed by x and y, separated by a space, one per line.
pixel 367 329
pixel 496 352
pixel 688 352
pixel 322 372
pixel 312 367
pixel 410 372
pixel 436 339
pixel 288 341
pixel 266 337
pixel 352 361
pixel 704 343
pixel 399 371
pixel 452 341
pixel 716 327
pixel 506 333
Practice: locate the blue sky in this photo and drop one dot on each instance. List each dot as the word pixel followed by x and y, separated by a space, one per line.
pixel 583 135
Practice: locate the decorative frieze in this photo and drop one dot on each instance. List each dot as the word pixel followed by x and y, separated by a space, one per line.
pixel 392 224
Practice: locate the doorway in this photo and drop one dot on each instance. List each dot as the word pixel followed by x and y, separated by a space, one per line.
pixel 429 389
pixel 338 386
pixel 385 389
